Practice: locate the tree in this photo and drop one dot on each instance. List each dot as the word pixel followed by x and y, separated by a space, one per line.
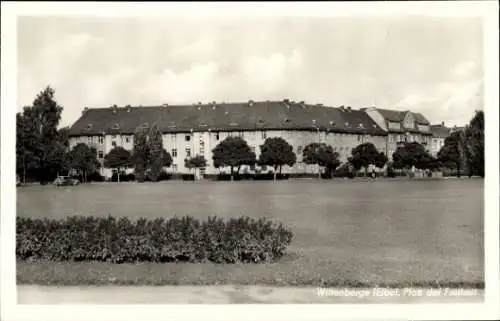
pixel 322 155
pixel 117 158
pixel 364 155
pixel 474 144
pixel 154 161
pixel 276 152
pixel 140 154
pixel 83 159
pixel 381 160
pixel 450 154
pixel 40 147
pixel 233 152
pixel 166 159
pixel 411 155
pixel 195 162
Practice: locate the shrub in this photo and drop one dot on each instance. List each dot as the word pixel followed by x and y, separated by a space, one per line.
pixel 184 239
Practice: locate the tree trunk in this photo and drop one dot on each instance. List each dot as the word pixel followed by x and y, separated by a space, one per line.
pixel 319 172
pixel 118 176
pixel 85 175
pixel 274 172
pixel 232 174
pixel 458 169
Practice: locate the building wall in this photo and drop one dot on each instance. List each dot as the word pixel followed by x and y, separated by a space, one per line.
pixel 182 145
pixel 436 144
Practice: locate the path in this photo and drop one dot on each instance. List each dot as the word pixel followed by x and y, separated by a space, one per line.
pixel 33 294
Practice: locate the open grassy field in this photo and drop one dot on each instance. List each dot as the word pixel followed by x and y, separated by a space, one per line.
pixel 362 233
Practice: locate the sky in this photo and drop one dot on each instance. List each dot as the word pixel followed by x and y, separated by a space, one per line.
pixel 424 64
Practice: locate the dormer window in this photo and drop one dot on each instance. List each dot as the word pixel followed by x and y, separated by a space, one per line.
pixel 89 127
pixel 203 125
pixel 145 125
pixel 233 123
pixel 360 125
pixel 346 124
pixel 116 126
pixel 332 123
pixel 287 120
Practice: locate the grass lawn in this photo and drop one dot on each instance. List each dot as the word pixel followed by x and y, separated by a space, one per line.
pixel 353 233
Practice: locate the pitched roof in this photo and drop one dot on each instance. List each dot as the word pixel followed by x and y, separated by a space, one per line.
pixel 440 131
pixel 224 117
pixel 392 115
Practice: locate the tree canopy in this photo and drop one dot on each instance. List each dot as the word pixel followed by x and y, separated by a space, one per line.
pixel 322 155
pixel 412 155
pixel 366 154
pixel 83 159
pixel 474 144
pixel 233 152
pixel 41 148
pixel 118 158
pixel 276 152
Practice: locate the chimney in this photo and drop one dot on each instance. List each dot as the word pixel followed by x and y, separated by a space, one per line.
pixel 129 108
pixel 86 109
pixel 442 123
pixel 302 102
pixel 114 108
pixel 286 100
pixel 250 103
pixel 165 105
pixel 349 108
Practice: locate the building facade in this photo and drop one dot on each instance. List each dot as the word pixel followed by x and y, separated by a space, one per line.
pixel 191 130
pixel 401 127
pixel 439 134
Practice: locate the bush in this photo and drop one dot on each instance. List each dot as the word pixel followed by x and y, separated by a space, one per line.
pixel 184 239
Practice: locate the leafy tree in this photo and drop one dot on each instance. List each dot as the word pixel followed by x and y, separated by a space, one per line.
pixel 117 158
pixel 140 154
pixel 167 159
pixel 155 150
pixel 381 160
pixel 452 154
pixel 233 152
pixel 411 155
pixel 364 155
pixel 276 152
pixel 40 147
pixel 83 159
pixel 474 144
pixel 195 162
pixel 322 155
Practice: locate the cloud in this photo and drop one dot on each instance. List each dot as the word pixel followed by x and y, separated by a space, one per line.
pixel 99 62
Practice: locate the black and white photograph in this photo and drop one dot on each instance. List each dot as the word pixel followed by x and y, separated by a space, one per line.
pixel 272 156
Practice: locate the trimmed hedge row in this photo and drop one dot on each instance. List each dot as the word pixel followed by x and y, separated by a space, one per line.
pixel 184 239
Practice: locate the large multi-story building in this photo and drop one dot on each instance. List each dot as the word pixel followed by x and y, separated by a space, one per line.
pixel 196 129
pixel 439 134
pixel 401 127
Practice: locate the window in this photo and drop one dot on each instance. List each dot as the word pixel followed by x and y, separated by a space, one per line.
pixel 113 137
pixel 299 150
pixel 263 134
pixel 188 152
pixel 217 137
pixel 174 167
pixel 202 171
pixel 113 143
pixel 127 139
pixel 101 139
pixel 188 138
pixel 174 152
pixel 253 149
pixel 101 154
pixel 174 138
pixel 359 138
pixel 89 139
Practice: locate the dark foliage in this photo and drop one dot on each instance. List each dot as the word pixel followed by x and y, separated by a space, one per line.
pixel 184 239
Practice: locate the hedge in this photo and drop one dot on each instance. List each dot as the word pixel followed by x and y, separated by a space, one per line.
pixel 179 239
